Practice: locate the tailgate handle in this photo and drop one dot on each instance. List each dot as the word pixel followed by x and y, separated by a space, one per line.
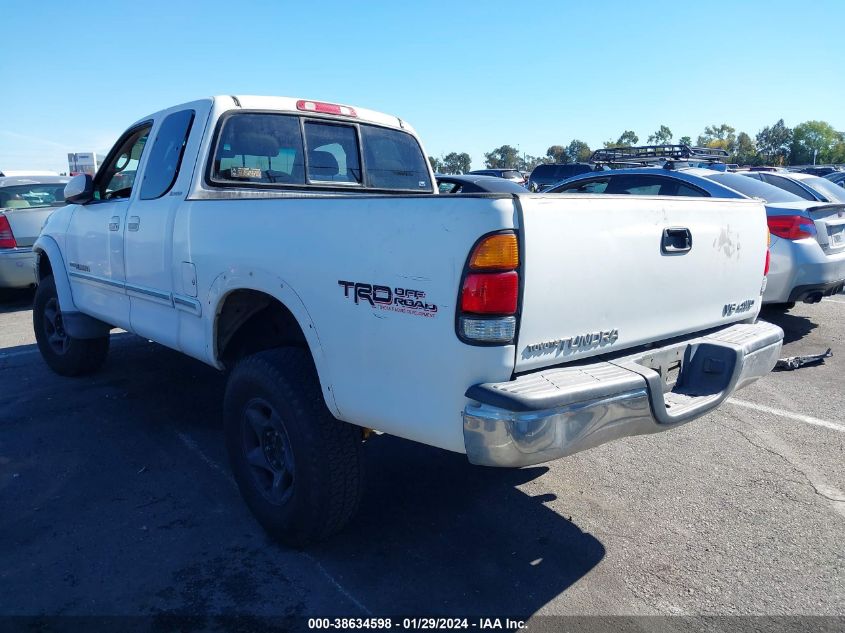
pixel 676 240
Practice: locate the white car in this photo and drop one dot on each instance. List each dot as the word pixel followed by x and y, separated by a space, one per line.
pixel 302 246
pixel 25 204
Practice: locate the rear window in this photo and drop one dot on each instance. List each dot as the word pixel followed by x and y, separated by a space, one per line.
pixel 830 190
pixel 594 185
pixel 753 188
pixel 269 149
pixel 394 160
pixel 787 185
pixel 556 173
pixel 332 153
pixel 32 195
pixel 544 171
pixel 510 173
pixel 259 148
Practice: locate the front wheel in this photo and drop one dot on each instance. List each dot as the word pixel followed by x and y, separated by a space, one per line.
pixel 298 468
pixel 63 353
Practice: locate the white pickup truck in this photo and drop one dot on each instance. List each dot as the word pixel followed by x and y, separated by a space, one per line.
pixel 301 246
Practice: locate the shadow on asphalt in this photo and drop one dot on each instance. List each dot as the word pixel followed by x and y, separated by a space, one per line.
pixel 435 536
pixel 795 327
pixel 15 300
pixel 466 538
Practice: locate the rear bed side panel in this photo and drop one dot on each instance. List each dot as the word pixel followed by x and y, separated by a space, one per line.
pixel 396 368
pixel 594 269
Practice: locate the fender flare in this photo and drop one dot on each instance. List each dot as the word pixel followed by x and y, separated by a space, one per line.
pixel 46 245
pixel 77 324
pixel 274 286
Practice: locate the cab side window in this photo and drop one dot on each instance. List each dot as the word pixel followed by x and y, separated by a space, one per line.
pixel 117 177
pixel 166 154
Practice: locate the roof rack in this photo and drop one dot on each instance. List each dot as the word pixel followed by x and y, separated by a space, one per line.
pixel 645 154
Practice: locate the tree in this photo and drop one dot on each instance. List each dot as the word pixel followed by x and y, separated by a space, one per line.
pixel 663 136
pixel 773 143
pixel 745 152
pixel 528 163
pixel 813 141
pixel 579 151
pixel 504 157
pixel 557 154
pixel 454 163
pixel 685 140
pixel 626 139
pixel 436 164
pixel 837 152
pixel 718 137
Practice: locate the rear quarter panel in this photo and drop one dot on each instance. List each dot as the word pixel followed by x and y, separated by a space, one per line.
pixel 402 371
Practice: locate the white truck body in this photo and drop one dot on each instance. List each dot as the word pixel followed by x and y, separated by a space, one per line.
pixel 595 283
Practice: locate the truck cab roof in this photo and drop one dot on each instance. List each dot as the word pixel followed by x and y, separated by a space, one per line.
pixel 294 105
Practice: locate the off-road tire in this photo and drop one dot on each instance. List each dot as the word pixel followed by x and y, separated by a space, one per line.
pixel 64 354
pixel 281 386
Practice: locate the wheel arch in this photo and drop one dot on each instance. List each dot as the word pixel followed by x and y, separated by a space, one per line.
pixel 49 260
pixel 255 312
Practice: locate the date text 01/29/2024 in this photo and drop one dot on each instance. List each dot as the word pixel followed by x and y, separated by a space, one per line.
pixel 414 624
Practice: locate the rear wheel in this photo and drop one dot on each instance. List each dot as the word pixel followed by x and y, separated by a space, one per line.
pixel 63 353
pixel 298 468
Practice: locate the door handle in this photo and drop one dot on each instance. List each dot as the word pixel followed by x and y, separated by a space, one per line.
pixel 676 241
pixel 114 223
pixel 134 223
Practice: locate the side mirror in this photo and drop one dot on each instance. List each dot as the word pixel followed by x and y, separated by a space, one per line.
pixel 80 189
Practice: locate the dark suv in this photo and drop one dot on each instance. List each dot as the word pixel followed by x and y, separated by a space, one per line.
pixel 545 176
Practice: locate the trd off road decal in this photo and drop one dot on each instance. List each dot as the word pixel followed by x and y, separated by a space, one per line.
pixel 404 300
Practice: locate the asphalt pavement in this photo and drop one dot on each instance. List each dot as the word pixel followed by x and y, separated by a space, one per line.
pixel 116 499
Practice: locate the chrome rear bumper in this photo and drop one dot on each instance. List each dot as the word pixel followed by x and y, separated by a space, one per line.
pixel 549 414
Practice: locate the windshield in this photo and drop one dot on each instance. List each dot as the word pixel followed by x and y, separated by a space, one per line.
pixel 830 190
pixel 753 188
pixel 34 195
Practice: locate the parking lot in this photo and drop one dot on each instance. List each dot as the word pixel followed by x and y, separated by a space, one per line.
pixel 117 499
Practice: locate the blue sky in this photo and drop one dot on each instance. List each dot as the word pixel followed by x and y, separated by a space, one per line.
pixel 470 76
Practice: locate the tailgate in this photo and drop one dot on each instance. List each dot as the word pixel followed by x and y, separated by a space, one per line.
pixel 830 226
pixel 26 223
pixel 602 273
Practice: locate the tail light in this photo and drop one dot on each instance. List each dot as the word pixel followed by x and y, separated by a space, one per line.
pixel 792 227
pixel 489 298
pixel 490 293
pixel 7 238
